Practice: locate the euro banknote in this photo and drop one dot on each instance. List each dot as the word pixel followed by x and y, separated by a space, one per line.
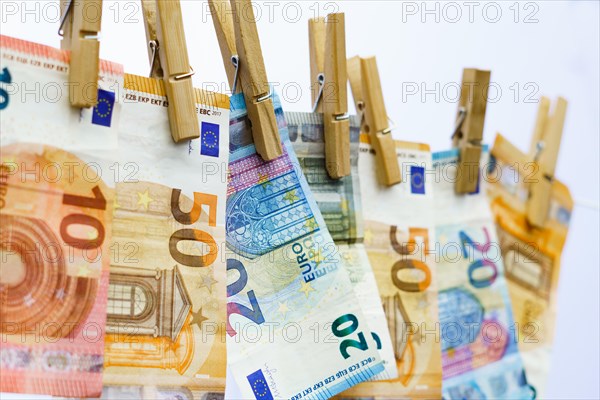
pixel 480 356
pixel 56 212
pixel 295 328
pixel 398 234
pixel 531 256
pixel 166 297
pixel 339 201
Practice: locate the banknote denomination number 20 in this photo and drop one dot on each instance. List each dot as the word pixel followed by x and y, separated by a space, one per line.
pixel 254 314
pixel 189 218
pixel 481 281
pixel 360 344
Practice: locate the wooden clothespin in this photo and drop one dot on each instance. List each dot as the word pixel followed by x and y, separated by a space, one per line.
pixel 316 48
pixel 80 25
pixel 469 128
pixel 235 25
pixel 328 66
pixel 169 61
pixel 368 98
pixel 544 149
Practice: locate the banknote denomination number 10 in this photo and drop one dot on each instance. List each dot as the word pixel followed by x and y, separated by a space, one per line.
pixel 98 202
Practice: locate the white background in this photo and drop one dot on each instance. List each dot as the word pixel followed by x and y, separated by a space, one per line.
pixel 548 47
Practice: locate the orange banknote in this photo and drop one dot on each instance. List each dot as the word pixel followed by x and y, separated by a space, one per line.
pixel 166 310
pixel 399 234
pixel 56 216
pixel 531 255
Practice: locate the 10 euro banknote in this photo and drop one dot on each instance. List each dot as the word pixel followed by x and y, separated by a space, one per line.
pixel 56 212
pixel 295 328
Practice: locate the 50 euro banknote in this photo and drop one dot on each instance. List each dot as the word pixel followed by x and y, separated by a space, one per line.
pixel 531 255
pixel 165 331
pixel 398 234
pixel 56 212
pixel 339 201
pixel 295 328
pixel 480 355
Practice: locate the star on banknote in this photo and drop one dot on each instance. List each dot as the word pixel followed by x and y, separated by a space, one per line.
pixel 317 257
pixel 311 223
pixel 283 308
pixel 263 180
pixel 144 199
pixel 207 281
pixel 306 288
pixel 291 196
pixel 198 318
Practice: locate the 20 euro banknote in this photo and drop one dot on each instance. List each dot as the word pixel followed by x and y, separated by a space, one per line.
pixel 295 329
pixel 398 234
pixel 339 201
pixel 56 212
pixel 480 356
pixel 531 255
pixel 166 298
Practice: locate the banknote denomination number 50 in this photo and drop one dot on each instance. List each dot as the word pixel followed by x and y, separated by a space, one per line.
pixel 189 218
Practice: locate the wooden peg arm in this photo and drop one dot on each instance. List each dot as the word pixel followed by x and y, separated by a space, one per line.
pixel 149 12
pixel 254 82
pixel 354 70
pixel 540 191
pixel 221 13
pixel 335 99
pixel 473 101
pixel 376 124
pixel 316 45
pixel 81 37
pixel 175 64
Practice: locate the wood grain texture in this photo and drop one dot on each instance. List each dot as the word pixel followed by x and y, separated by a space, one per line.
pixel 376 124
pixel 376 117
pixel 174 60
pixel 540 126
pixel 473 101
pixel 254 82
pixel 149 12
pixel 316 47
pixel 220 11
pixel 335 99
pixel 81 37
pixel 548 130
pixel 354 70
